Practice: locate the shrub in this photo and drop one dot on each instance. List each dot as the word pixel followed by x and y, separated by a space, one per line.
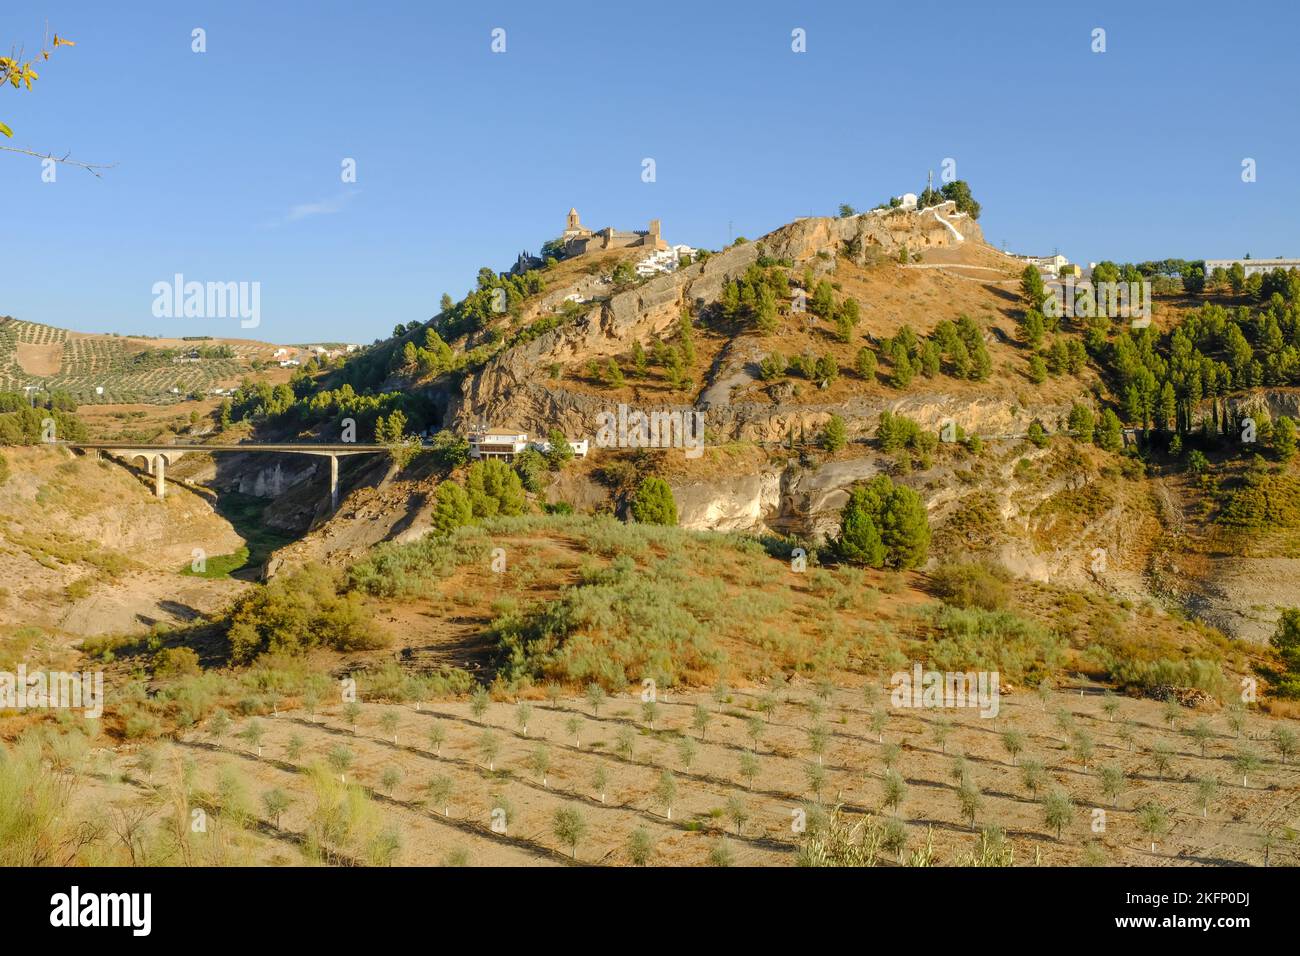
pixel 1286 641
pixel 175 662
pixel 976 639
pixel 980 584
pixel 297 612
pixel 393 570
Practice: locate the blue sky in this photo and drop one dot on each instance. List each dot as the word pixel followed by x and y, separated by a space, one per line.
pixel 228 162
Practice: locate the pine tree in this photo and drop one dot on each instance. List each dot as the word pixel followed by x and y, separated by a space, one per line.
pixel 859 537
pixel 1032 289
pixel 1110 434
pixel 865 363
pixel 653 503
pixel 834 436
pixel 452 508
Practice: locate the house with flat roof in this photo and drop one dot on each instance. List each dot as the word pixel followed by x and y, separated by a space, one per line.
pixel 506 443
pixel 503 443
pixel 1252 266
pixel 579 445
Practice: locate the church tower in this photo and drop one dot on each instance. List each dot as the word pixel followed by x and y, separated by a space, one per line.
pixel 573 226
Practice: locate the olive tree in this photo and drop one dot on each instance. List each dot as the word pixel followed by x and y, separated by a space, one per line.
pixel 1153 821
pixel 388 721
pixel 1031 772
pixel 437 735
pixel 640 848
pixel 489 747
pixel 969 801
pixel 1013 742
pixel 569 827
pixel 893 790
pixel 737 812
pixel 666 792
pixel 1202 733
pixel 749 769
pixel 1058 811
pixel 595 698
pixel 1113 782
pixel 1246 761
pixel 253 735
pixel 275 802
pixel 700 719
pixel 1284 739
pixel 600 780
pixel 818 736
pixel 1206 790
pixel 539 761
pixel 389 780
pixel 478 702
pixel 352 711
pixel 686 752
pixel 523 713
pixel 340 758
pixel 440 789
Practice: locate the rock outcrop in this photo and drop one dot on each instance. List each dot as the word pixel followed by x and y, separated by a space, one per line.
pixel 510 391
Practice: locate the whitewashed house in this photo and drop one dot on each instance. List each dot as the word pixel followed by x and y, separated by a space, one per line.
pixel 502 443
pixel 579 445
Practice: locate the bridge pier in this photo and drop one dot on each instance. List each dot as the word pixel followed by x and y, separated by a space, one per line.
pixel 157 457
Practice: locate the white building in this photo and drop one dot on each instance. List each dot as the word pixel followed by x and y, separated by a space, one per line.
pixel 579 446
pixel 663 260
pixel 500 443
pixel 1251 266
pixel 1048 265
pixel 506 443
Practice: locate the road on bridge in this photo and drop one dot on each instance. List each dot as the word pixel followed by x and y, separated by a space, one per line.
pixel 160 455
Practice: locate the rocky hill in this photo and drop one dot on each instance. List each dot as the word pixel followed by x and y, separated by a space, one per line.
pixel 1049 511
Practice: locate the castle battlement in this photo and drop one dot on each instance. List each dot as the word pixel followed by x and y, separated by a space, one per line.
pixel 579 240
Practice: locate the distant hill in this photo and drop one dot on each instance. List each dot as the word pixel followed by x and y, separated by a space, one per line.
pixel 99 369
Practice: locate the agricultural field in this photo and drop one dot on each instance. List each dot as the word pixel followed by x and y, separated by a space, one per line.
pixel 759 776
pixel 434 711
pixel 104 369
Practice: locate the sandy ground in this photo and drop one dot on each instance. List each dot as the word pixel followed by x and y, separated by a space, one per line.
pixel 1227 834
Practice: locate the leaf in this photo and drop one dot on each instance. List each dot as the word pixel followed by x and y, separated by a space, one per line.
pixel 6 130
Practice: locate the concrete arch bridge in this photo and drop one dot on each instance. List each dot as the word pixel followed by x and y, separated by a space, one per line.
pixel 158 457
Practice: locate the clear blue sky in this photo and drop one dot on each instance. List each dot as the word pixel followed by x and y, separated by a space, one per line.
pixel 229 161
